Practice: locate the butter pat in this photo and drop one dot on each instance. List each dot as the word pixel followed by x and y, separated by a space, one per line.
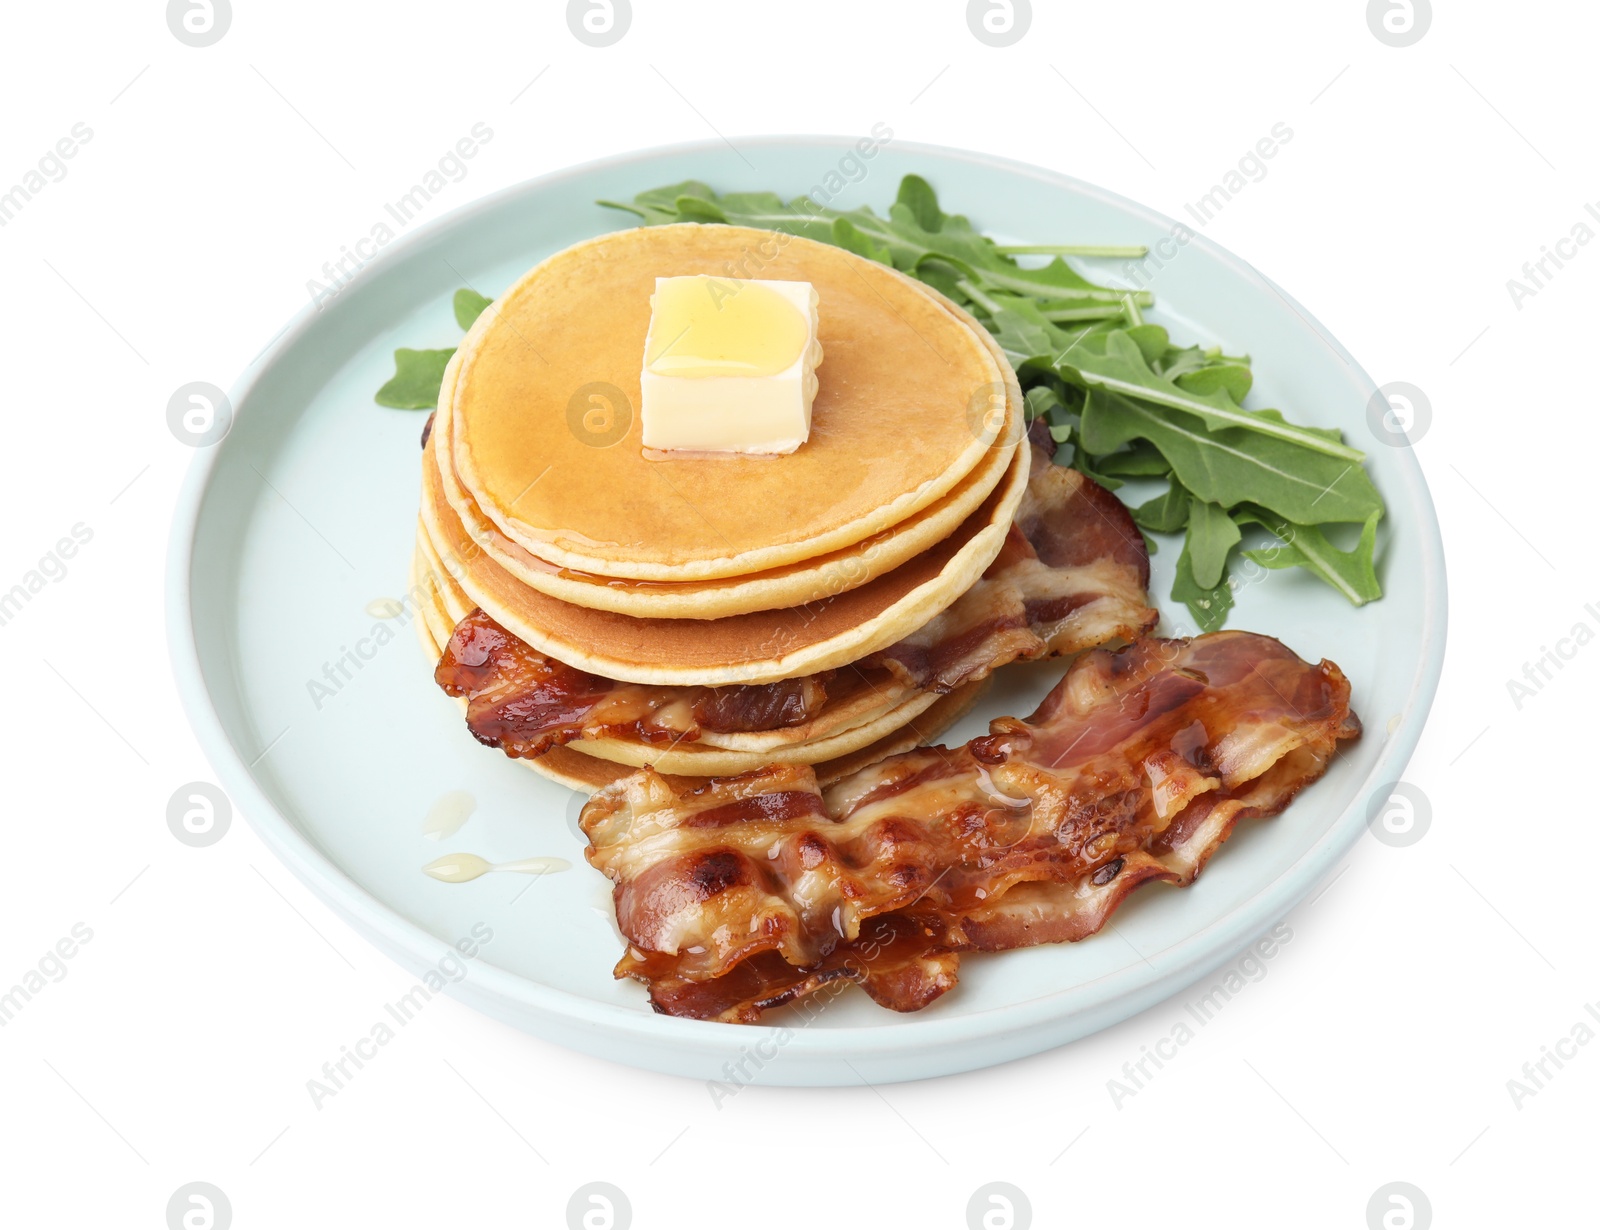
pixel 729 366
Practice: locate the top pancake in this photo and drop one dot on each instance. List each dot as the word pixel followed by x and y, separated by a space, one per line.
pixel 899 419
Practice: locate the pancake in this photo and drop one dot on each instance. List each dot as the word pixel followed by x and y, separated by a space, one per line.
pixel 577 771
pixel 899 420
pixel 792 585
pixel 758 647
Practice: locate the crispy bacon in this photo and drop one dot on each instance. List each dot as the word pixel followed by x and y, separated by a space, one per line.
pixel 525 703
pixel 1071 576
pixel 767 706
pixel 749 892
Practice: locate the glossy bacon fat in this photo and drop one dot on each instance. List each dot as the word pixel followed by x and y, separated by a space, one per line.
pixel 752 891
pixel 1071 576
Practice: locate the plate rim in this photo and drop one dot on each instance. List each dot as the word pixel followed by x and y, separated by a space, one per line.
pixel 905 1048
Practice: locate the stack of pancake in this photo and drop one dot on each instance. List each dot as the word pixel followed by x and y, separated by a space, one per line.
pixel 541 509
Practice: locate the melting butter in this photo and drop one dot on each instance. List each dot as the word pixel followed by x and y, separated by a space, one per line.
pixel 459 868
pixel 709 327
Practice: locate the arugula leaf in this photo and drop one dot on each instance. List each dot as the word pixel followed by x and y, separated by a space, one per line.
pixel 419 373
pixel 847 236
pixel 660 205
pixel 1152 341
pixel 416 380
pixel 1209 607
pixel 469 305
pixel 1119 360
pixel 1234 379
pixel 1044 402
pixel 1212 534
pixel 1041 400
pixel 1024 334
pixel 1232 467
pixel 918 236
pixel 1142 460
pixel 1351 572
pixel 1167 513
pixel 921 202
pixel 1114 361
pixel 1084 465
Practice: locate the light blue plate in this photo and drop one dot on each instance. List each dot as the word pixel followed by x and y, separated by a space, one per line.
pixel 306 512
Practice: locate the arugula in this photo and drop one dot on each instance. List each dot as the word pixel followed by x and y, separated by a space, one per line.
pixel 1166 514
pixel 419 373
pixel 1143 460
pixel 1212 534
pixel 469 305
pixel 917 238
pixel 1230 466
pixel 416 380
pixel 1305 546
pixel 1208 605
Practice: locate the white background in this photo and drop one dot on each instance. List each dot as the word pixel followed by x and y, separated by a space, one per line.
pixel 1379 1044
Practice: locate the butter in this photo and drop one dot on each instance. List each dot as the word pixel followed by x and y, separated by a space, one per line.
pixel 729 366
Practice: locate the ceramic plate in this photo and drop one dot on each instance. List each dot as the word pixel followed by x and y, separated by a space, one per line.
pixel 323 722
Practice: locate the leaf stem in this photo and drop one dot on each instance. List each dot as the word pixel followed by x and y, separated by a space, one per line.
pixel 977 296
pixel 1108 251
pixel 1039 290
pixel 1232 417
pixel 1099 311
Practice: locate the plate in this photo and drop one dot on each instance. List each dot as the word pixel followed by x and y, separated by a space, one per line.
pixel 324 725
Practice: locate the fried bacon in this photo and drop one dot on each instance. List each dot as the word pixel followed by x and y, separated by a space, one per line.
pixel 1071 576
pixel 525 703
pixel 752 891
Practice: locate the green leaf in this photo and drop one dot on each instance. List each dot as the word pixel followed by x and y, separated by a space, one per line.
pixel 1232 467
pixel 1351 572
pixel 416 380
pixel 920 201
pixel 1142 460
pixel 1167 513
pixel 1208 607
pixel 695 209
pixel 1041 400
pixel 849 237
pixel 1084 464
pixel 1177 362
pixel 659 205
pixel 917 233
pixel 1023 332
pixel 1151 340
pixel 1331 433
pixel 1113 361
pixel 1234 379
pixel 1212 534
pixel 469 305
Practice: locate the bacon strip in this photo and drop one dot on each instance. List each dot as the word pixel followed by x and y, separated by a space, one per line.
pixel 525 702
pixel 1071 576
pixel 752 891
